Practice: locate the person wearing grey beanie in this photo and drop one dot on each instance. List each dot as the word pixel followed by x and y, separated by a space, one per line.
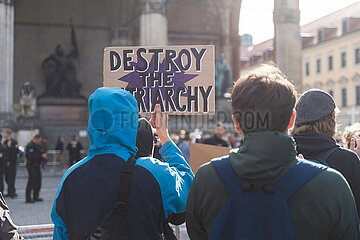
pixel 315 127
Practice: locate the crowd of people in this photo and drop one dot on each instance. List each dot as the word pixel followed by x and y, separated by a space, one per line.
pixel 287 178
pixel 73 147
pixel 36 156
pixel 265 189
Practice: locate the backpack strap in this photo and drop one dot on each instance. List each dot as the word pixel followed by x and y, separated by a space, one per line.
pixel 227 174
pixel 120 207
pixel 125 180
pixel 296 177
pixel 324 156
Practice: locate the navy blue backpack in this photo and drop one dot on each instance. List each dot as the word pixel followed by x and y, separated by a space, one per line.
pixel 260 215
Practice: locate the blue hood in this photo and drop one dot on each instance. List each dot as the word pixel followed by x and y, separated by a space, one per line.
pixel 113 122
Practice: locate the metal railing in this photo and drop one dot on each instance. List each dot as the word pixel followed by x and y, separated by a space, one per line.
pixel 53 157
pixel 45 232
pixel 37 232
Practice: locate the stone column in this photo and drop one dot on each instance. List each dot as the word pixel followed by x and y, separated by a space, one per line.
pixel 225 18
pixel 6 56
pixel 153 23
pixel 287 39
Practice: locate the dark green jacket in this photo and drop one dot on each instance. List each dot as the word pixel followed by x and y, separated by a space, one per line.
pixel 324 208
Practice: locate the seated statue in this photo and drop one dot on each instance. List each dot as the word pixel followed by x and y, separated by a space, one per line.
pixel 27 100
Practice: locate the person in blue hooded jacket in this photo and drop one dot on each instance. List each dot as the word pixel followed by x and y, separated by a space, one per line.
pixel 88 190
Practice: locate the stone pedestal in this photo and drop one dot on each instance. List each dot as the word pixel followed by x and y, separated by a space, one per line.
pixel 153 23
pixel 6 56
pixel 63 110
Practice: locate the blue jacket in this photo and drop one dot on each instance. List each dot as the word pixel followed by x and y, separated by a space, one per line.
pixel 88 190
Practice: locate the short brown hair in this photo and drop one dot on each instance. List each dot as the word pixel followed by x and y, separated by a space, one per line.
pixel 265 93
pixel 325 125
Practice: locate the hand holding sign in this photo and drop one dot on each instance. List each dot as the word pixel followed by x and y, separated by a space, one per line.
pixel 159 121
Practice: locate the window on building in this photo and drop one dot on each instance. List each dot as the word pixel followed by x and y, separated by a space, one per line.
pixel 345 25
pixel 343 59
pixel 343 97
pixel 357 55
pixel 331 92
pixel 318 65
pixel 330 63
pixel 357 92
pixel 307 69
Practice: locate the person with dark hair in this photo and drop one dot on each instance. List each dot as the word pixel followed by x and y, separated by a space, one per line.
pixel 44 149
pixel 74 148
pixel 34 155
pixel 144 139
pixel 10 160
pixel 314 132
pixel 145 145
pixel 59 147
pixel 111 194
pixel 263 190
pixel 216 139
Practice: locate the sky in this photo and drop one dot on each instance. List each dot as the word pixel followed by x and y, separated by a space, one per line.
pixel 256 16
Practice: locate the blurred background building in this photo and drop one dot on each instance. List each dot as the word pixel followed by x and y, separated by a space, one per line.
pixel 51 52
pixel 330 58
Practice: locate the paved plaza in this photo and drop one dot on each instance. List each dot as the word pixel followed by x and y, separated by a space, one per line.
pixel 39 212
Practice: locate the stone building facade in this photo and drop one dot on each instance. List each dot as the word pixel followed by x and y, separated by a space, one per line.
pixel 31 30
pixel 330 59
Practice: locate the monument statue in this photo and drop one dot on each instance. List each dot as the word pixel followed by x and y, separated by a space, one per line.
pixel 27 100
pixel 60 75
pixel 223 77
pixel 60 72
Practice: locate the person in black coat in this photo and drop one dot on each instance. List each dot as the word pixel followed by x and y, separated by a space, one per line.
pixel 34 155
pixel 59 147
pixel 2 152
pixel 10 160
pixel 74 148
pixel 216 139
pixel 145 145
pixel 314 130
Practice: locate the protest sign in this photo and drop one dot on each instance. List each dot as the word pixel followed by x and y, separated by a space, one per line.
pixel 179 78
pixel 203 153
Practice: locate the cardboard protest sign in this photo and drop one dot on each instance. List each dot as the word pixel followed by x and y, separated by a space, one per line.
pixel 203 153
pixel 179 78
